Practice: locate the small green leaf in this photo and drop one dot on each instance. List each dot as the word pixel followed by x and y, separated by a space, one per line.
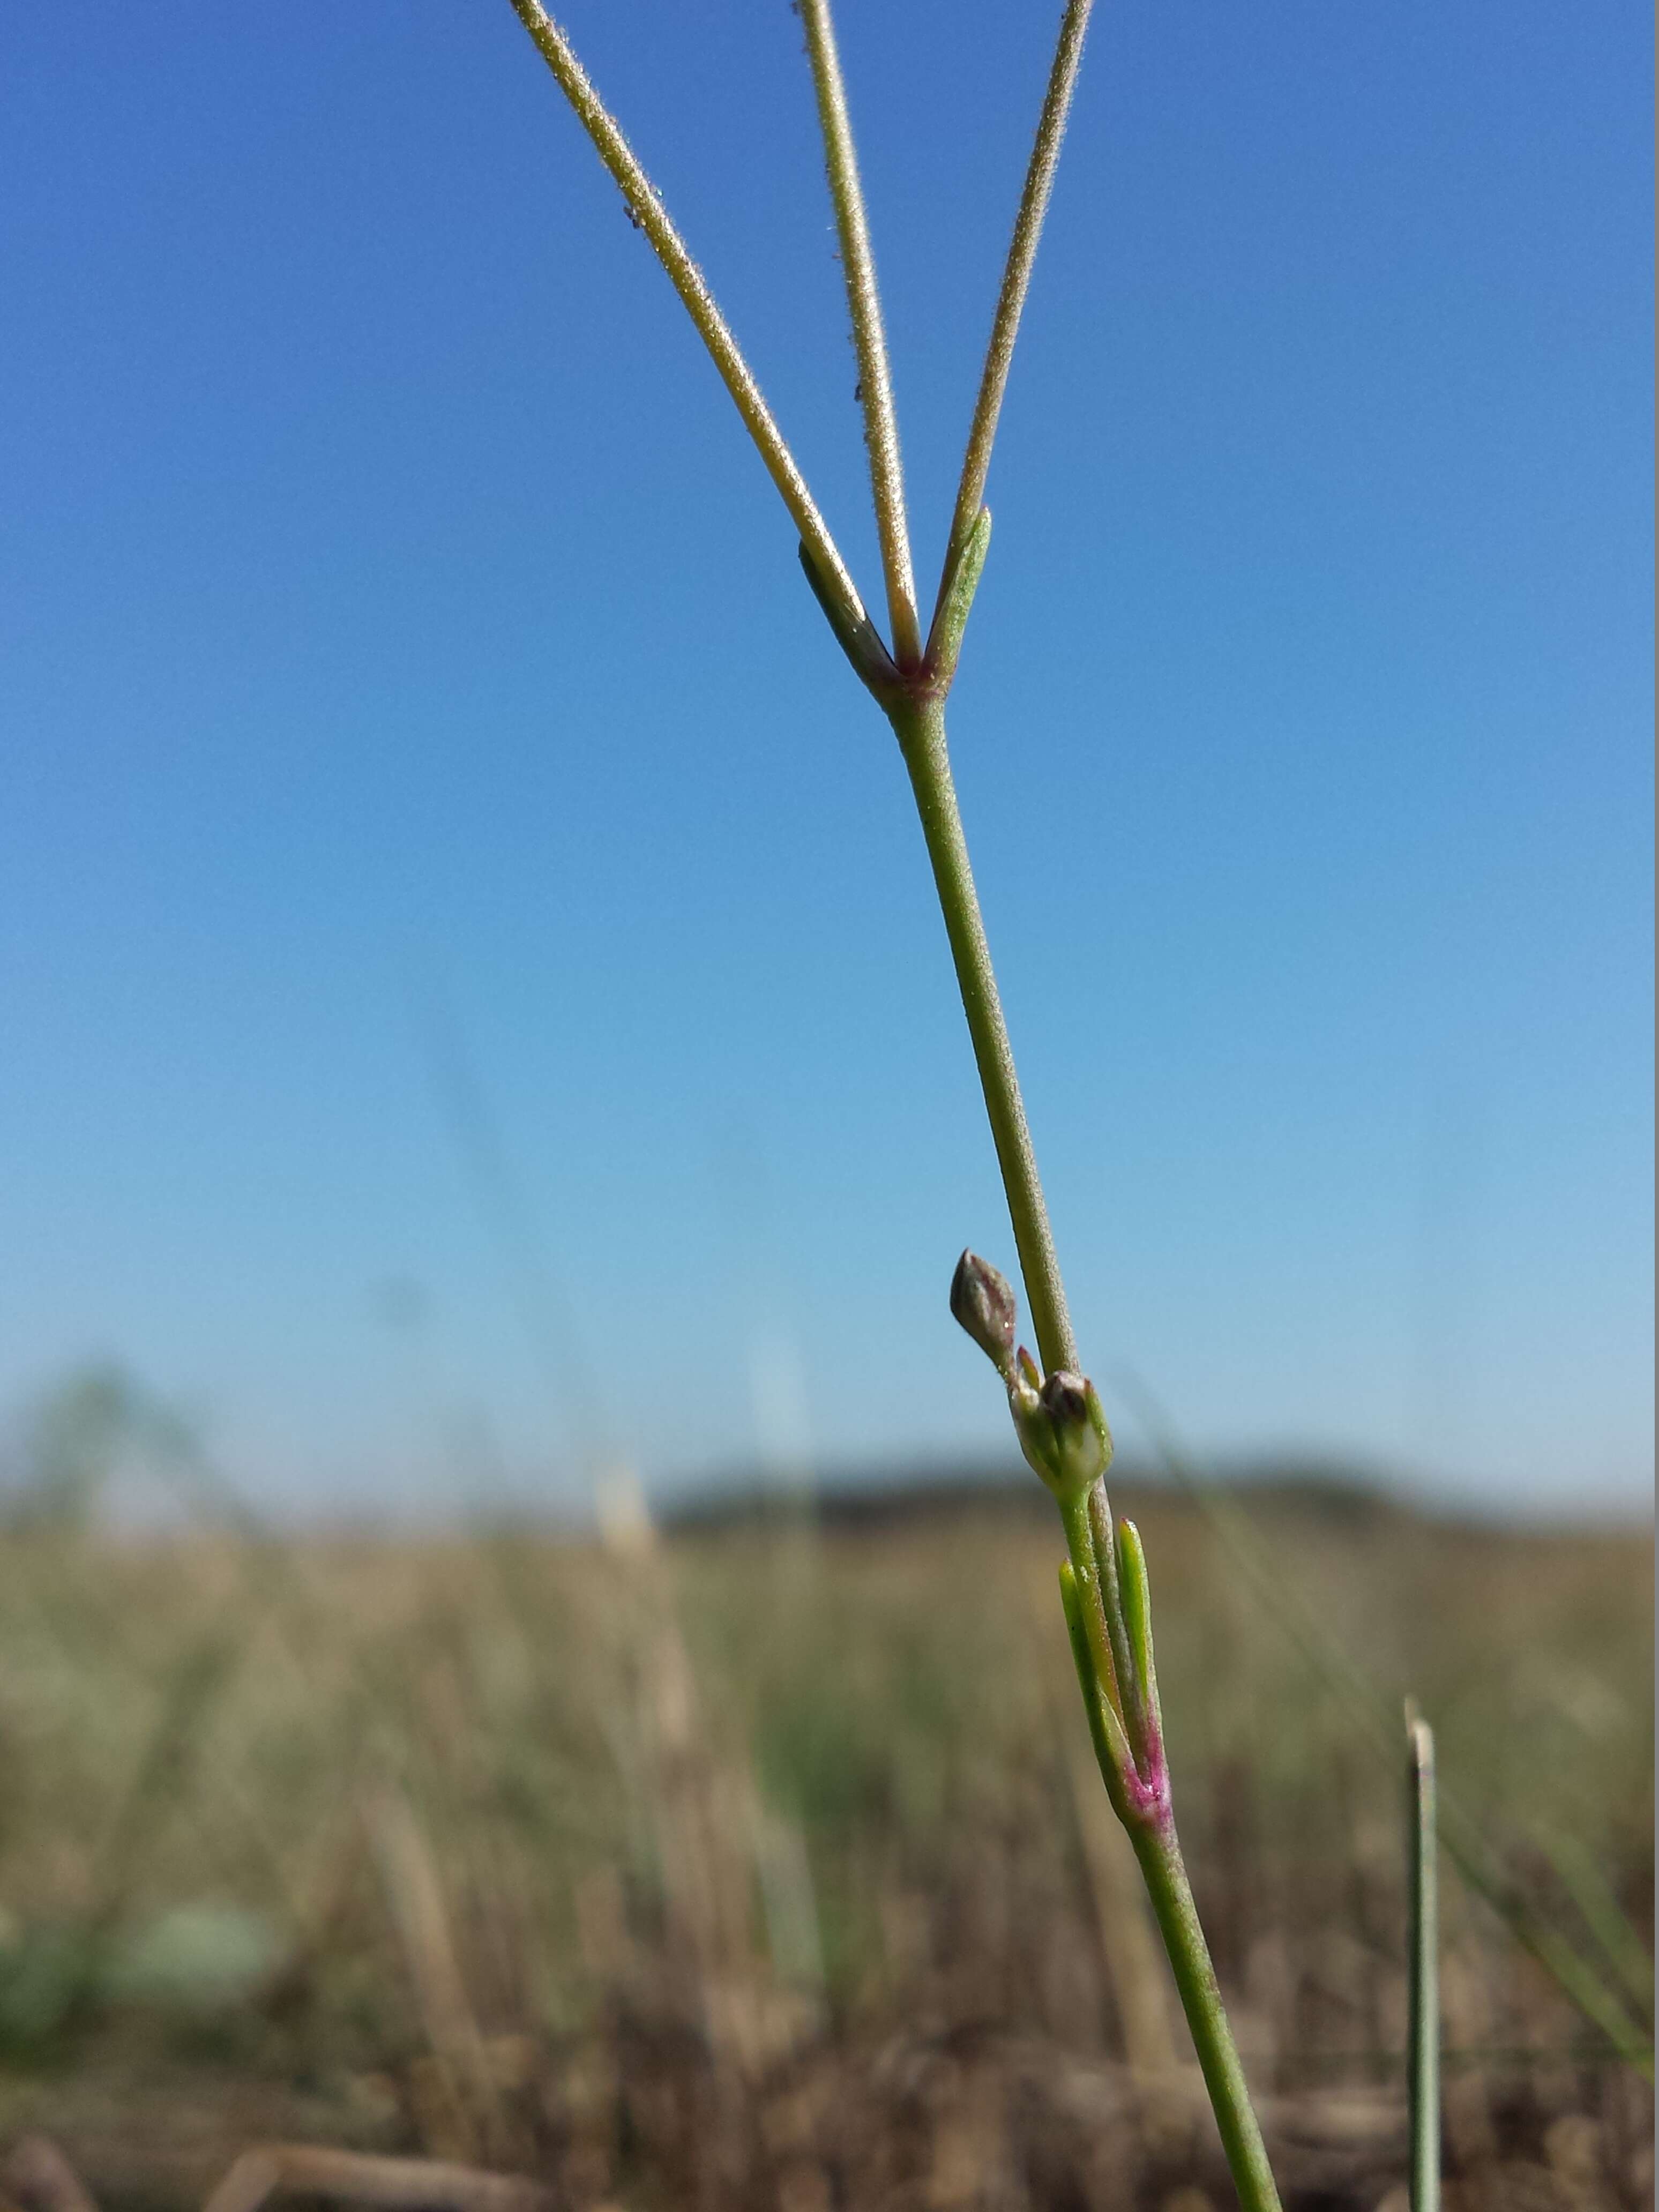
pixel 1111 1749
pixel 1137 1600
pixel 955 602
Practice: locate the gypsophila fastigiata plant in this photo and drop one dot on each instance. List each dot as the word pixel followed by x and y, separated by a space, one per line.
pixel 1056 1413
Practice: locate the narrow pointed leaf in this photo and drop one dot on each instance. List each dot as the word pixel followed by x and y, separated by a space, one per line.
pixel 945 645
pixel 1136 1594
pixel 1111 1747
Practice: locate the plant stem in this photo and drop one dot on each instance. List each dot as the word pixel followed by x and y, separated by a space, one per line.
pixel 1423 2061
pixel 869 340
pixel 689 281
pixel 919 725
pixel 1158 1849
pixel 1016 280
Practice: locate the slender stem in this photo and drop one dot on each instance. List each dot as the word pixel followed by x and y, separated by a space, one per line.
pixel 1424 2064
pixel 1016 279
pixel 1159 1853
pixel 918 719
pixel 689 281
pixel 869 340
pixel 919 727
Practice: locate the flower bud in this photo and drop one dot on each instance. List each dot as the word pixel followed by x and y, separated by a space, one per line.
pixel 1079 1437
pixel 1062 1429
pixel 984 1304
pixel 1031 1424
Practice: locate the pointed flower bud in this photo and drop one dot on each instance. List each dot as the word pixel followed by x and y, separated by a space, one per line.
pixel 982 1301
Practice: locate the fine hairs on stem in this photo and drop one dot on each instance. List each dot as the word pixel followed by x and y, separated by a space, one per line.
pixel 1055 1410
pixel 869 339
pixel 1016 282
pixel 688 280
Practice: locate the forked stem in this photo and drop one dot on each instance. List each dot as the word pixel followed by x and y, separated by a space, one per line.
pixel 1110 1639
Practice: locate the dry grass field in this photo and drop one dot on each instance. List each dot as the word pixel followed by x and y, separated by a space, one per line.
pixel 763 1865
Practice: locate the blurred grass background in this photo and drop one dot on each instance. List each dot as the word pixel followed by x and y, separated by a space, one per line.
pixel 762 1861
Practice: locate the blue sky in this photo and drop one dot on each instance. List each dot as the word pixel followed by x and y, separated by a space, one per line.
pixel 465 952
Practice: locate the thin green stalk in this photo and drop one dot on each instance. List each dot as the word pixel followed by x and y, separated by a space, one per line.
pixel 869 340
pixel 1016 282
pixel 1422 2065
pixel 920 728
pixel 648 212
pixel 1160 1852
pixel 1135 1777
pixel 1152 1831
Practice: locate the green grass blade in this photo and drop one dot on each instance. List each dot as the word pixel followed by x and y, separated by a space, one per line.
pixel 1423 2071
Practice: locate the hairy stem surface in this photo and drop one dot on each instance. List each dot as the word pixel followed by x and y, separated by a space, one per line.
pixel 689 281
pixel 1016 279
pixel 869 339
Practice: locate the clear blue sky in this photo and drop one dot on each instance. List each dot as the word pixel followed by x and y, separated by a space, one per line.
pixel 404 664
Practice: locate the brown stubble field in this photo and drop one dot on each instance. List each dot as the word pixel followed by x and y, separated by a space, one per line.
pixel 762 1864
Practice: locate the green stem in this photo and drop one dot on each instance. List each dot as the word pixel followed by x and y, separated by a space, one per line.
pixel 1159 1853
pixel 1423 2068
pixel 919 725
pixel 1017 279
pixel 869 341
